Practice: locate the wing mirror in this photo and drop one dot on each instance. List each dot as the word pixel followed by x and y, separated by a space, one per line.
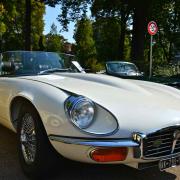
pixel 7 67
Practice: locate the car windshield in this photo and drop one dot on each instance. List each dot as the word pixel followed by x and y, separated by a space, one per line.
pixel 121 67
pixel 31 62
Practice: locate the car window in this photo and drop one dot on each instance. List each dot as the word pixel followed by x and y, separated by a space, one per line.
pixel 130 67
pixel 121 67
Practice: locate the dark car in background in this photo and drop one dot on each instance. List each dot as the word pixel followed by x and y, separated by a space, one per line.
pixel 122 69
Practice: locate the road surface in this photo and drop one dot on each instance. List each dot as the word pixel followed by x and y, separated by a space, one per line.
pixel 10 168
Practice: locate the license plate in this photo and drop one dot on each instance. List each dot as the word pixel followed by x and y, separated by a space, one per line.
pixel 169 162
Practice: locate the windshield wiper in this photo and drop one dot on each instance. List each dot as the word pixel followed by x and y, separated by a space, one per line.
pixel 53 70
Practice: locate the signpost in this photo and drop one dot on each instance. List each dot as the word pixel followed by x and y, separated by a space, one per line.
pixel 152 30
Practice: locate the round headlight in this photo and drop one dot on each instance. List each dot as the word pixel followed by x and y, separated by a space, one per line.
pixel 80 110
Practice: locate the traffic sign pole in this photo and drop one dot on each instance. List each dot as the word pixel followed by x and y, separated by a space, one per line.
pixel 152 30
pixel 151 58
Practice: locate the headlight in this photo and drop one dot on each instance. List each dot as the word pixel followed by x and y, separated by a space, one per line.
pixel 80 111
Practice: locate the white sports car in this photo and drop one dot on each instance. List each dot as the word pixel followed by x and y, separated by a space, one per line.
pixel 86 117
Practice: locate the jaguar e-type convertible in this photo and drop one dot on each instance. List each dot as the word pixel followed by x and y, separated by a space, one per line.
pixel 90 118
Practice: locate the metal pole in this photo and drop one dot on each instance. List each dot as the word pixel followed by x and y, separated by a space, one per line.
pixel 151 58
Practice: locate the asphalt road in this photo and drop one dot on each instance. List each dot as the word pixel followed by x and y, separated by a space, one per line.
pixel 10 168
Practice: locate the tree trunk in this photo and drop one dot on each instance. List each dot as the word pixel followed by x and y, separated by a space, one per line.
pixel 139 30
pixel 28 26
pixel 124 18
pixel 122 36
pixel 138 37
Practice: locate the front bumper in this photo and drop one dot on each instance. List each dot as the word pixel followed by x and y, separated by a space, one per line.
pixel 79 149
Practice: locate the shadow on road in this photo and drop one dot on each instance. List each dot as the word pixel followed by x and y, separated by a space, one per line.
pixel 112 172
pixel 10 168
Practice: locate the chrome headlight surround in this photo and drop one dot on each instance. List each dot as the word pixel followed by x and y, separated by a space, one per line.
pixel 80 111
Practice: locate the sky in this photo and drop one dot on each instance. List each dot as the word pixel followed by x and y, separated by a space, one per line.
pixel 51 17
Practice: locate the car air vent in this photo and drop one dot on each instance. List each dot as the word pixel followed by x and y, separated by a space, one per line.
pixel 160 143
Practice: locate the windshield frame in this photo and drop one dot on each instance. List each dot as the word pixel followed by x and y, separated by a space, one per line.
pixel 25 54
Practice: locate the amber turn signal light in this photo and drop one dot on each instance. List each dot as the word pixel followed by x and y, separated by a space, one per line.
pixel 109 154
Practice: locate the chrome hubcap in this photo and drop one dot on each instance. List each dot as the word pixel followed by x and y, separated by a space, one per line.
pixel 28 139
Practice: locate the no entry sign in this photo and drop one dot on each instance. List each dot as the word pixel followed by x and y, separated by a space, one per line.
pixel 152 28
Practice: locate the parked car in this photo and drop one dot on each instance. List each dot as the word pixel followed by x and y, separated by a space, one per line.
pixel 128 70
pixel 90 118
pixel 122 69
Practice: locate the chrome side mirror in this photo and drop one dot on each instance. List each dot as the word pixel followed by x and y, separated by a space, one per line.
pixel 78 66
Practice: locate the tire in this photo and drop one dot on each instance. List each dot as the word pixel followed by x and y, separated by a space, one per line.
pixel 36 155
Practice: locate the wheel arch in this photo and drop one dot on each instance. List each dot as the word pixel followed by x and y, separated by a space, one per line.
pixel 15 108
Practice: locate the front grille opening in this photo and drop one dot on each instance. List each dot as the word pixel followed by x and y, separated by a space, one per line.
pixel 160 143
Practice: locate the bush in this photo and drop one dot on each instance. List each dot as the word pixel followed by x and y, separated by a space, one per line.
pixel 94 65
pixel 168 70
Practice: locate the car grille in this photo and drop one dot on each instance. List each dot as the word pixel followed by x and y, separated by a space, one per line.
pixel 160 143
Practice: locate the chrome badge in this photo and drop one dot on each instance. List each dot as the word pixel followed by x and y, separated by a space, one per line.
pixel 157 143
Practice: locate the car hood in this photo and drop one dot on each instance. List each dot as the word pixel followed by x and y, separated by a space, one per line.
pixel 139 106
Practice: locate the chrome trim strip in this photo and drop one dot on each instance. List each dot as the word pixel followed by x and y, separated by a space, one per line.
pixel 95 143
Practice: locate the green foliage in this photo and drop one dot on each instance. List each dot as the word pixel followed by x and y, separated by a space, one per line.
pixel 37 23
pixel 167 14
pixel 71 10
pixel 2 28
pixel 54 42
pixel 107 33
pixel 110 34
pixel 94 65
pixel 14 21
pixel 85 45
pixel 107 37
pixel 2 25
pixel 127 48
pixel 166 70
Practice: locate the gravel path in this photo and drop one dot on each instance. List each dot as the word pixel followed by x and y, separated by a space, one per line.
pixel 10 168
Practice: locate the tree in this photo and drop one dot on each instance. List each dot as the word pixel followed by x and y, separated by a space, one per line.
pixel 110 11
pixel 27 28
pixel 106 36
pixel 85 45
pixel 140 21
pixel 72 10
pixel 124 11
pixel 168 20
pixel 2 25
pixel 13 18
pixel 37 23
pixel 54 41
pixel 53 30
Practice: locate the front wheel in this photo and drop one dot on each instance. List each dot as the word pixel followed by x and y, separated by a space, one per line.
pixel 36 155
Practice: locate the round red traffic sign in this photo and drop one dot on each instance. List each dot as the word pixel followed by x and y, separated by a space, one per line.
pixel 152 28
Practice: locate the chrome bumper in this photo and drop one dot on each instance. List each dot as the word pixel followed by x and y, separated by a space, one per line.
pixel 90 143
pixel 95 142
